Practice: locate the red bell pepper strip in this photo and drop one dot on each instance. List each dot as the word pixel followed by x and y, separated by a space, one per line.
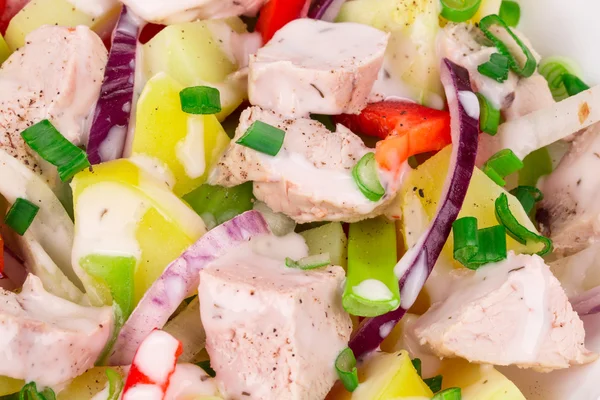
pixel 276 13
pixel 407 129
pixel 149 376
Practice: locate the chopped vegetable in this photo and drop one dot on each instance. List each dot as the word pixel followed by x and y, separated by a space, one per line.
pixel 573 84
pixel 30 392
pixel 310 262
pixel 325 10
pixel 535 165
pixel 20 215
pixel 279 223
pixel 200 100
pixel 277 13
pixel 510 12
pixel 434 383
pixel 525 70
pixel 263 138
pixel 489 116
pixel 44 139
pixel 502 164
pixel 474 248
pixel 416 362
pixel 115 384
pixel 218 204
pixel 448 394
pixel 109 127
pixel 527 196
pixel 186 327
pixel 371 287
pixel 205 365
pixel 414 268
pixel 345 365
pixel 366 177
pixel 553 69
pixel 329 238
pixel 459 10
pixel 518 231
pixel 496 68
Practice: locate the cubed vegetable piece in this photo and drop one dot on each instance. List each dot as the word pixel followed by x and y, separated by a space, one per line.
pixel 139 214
pixel 56 12
pixel 89 384
pixel 4 50
pixel 329 238
pixel 193 143
pixel 10 385
pixel 196 54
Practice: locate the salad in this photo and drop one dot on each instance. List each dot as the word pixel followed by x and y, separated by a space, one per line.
pixel 298 200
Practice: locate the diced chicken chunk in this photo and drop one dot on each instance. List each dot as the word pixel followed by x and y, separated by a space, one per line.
pixel 310 179
pixel 273 332
pixel 312 66
pixel 509 313
pixel 177 11
pixel 57 76
pixel 570 212
pixel 46 339
pixel 462 44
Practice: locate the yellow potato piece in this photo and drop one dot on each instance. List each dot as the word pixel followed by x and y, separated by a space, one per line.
pixel 188 145
pixel 10 385
pixel 88 384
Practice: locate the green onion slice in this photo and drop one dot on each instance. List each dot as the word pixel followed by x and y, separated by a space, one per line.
pixel 44 139
pixel 553 69
pixel 20 215
pixel 573 84
pixel 448 394
pixel 516 230
pixel 525 68
pixel 366 178
pixel 205 365
pixel 489 117
pixel 263 137
pixel 200 100
pixel 30 392
pixel 502 164
pixel 459 10
pixel 474 248
pixel 510 12
pixel 310 262
pixel 435 383
pixel 115 384
pixel 345 365
pixel 416 362
pixel 527 196
pixel 496 68
pixel 535 165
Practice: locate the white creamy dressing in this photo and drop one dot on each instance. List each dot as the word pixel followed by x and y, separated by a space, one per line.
pixel 236 46
pixel 373 290
pixel 470 103
pixel 386 329
pixel 111 147
pixel 190 149
pixel 94 8
pixel 189 382
pixel 579 272
pixel 154 167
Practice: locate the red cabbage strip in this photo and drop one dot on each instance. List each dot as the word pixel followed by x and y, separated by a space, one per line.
pixel 587 303
pixel 180 280
pixel 111 117
pixel 418 262
pixel 325 10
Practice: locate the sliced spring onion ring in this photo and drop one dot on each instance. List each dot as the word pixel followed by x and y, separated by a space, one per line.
pixel 416 362
pixel 205 365
pixel 496 68
pixel 434 383
pixel 30 392
pixel 44 139
pixel 310 262
pixel 553 69
pixel 527 196
pixel 21 215
pixel 263 137
pixel 115 384
pixel 502 164
pixel 516 230
pixel 535 165
pixel 448 394
pixel 474 248
pixel 573 84
pixel 345 365
pixel 366 178
pixel 459 10
pixel 489 117
pixel 510 12
pixel 200 100
pixel 530 63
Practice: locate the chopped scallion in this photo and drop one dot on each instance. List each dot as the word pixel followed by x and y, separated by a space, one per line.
pixel 345 365
pixel 44 139
pixel 527 196
pixel 416 362
pixel 517 231
pixel 200 100
pixel 115 384
pixel 435 383
pixel 528 67
pixel 475 247
pixel 502 164
pixel 205 365
pixel 20 215
pixel 263 137
pixel 448 394
pixel 366 177
pixel 573 84
pixel 489 117
pixel 30 392
pixel 496 68
pixel 510 12
pixel 553 69
pixel 459 10
pixel 535 165
pixel 310 262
